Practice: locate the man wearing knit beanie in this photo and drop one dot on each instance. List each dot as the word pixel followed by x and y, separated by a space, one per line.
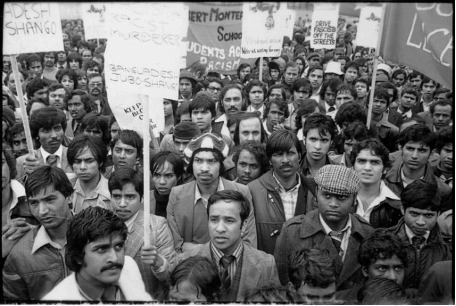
pixel 186 211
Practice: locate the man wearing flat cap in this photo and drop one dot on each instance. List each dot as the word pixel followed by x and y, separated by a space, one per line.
pixel 331 227
pixel 187 206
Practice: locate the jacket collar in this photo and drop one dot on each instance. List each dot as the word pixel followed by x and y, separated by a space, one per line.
pixel 394 175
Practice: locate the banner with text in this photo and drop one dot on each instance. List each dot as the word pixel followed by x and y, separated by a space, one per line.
pixel 94 17
pixel 214 36
pixel 324 25
pixel 369 23
pixel 420 35
pixel 30 27
pixel 263 27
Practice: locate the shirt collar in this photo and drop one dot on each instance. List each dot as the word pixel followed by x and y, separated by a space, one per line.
pixel 101 189
pixel 218 254
pixel 42 238
pixel 410 234
pixel 17 191
pixel 130 222
pixel 404 179
pixel 327 229
pixel 282 189
pixel 327 106
pixel 198 193
pixel 58 153
pixel 300 134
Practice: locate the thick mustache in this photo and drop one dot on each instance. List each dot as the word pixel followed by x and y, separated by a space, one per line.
pixel 111 266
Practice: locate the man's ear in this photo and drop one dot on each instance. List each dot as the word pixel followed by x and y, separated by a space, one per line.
pixel 291 288
pixel 403 210
pixel 243 226
pixel 364 270
pixel 198 74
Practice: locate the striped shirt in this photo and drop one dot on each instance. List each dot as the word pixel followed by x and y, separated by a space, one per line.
pixel 233 265
pixel 289 198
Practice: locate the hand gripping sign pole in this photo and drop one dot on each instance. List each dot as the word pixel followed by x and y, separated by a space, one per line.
pixel 17 81
pixel 374 73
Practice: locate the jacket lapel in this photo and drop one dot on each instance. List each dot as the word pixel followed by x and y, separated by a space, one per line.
pixel 250 273
pixel 183 211
pixel 135 239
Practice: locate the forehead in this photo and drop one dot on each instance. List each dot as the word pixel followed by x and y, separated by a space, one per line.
pixel 184 80
pixel 113 238
pixel 316 133
pixel 127 188
pixel 417 145
pixel 352 69
pixel 292 70
pixel 86 51
pixel 276 91
pixel 256 88
pixel 367 154
pixel 316 290
pixel 44 192
pixel 75 99
pixel 95 80
pixel 245 68
pixel 317 72
pixel 443 108
pixel 245 155
pixel 214 84
pixel 19 135
pixel 420 211
pixel 58 91
pixel 250 123
pixel 35 63
pixel 233 92
pixel 274 107
pixel 205 154
pixel 166 167
pixel 393 260
pixel 344 94
pixel 181 140
pixel 85 153
pixel 226 208
pixel 120 144
pixel 304 87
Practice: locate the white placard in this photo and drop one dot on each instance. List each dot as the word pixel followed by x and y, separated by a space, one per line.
pixel 30 27
pixel 94 18
pixel 324 25
pixel 369 21
pixel 264 24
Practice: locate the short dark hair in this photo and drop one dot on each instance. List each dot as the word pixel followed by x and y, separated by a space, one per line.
pixel 282 141
pixel 381 93
pixel 314 267
pixel 418 133
pixel 94 144
pixel 35 85
pixel 381 245
pixel 245 116
pixel 282 104
pixel 125 175
pixel 86 99
pixel 298 83
pixel 87 226
pixel 92 64
pixel 385 86
pixel 352 65
pixel 203 101
pixel 252 84
pixel 275 86
pixel 231 196
pixel 182 109
pixel 364 81
pixel 399 72
pixel 131 138
pixel 242 66
pixel 32 58
pixel 55 86
pixel 376 147
pixel 314 67
pixel 5 81
pixel 225 90
pixel 257 149
pixel 307 108
pixel 439 91
pixel 217 155
pixel 100 122
pixel 441 103
pixel 201 272
pixel 70 73
pixel 421 194
pixel 46 118
pixel 349 112
pixel 212 79
pixel 427 79
pixel 444 136
pixel 10 160
pixel 323 123
pixel 290 65
pixel 174 159
pixel 409 90
pixel 332 84
pixel 46 176
pixel 28 108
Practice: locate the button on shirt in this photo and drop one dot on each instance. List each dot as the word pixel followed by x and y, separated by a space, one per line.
pixel 289 198
pixel 233 265
pixel 346 231
pixel 58 153
pixel 385 192
pixel 99 197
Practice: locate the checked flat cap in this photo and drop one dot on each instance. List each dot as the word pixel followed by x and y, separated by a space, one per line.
pixel 338 180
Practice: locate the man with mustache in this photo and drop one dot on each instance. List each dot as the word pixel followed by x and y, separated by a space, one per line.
pixel 282 192
pixel 232 101
pixel 250 161
pixel 419 231
pixel 79 104
pixel 49 69
pixel 96 253
pixel 47 126
pixel 36 263
pixel 186 210
pixel 95 85
pixel 290 75
pixel 444 146
pixel 442 114
pixel 331 227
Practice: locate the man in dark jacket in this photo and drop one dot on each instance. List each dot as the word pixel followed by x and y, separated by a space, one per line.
pixel 419 231
pixel 282 192
pixel 417 143
pixel 376 203
pixel 332 227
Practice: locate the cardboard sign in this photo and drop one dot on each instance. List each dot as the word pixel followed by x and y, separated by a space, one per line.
pixel 263 27
pixel 30 27
pixel 214 36
pixel 421 36
pixel 369 22
pixel 324 25
pixel 94 18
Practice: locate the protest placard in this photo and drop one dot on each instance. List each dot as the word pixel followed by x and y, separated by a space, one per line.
pixel 263 27
pixel 324 25
pixel 30 27
pixel 421 36
pixel 214 36
pixel 94 18
pixel 369 22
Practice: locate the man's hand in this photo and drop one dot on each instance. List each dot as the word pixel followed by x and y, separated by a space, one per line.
pixel 278 126
pixel 31 164
pixel 12 232
pixel 149 255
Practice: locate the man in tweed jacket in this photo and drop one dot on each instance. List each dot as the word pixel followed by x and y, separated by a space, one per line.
pixel 155 261
pixel 247 268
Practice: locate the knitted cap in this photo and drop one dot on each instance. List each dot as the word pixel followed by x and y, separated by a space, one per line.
pixel 8 115
pixel 206 141
pixel 186 130
pixel 338 180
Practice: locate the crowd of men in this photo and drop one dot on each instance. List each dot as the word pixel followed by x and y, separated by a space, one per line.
pixel 264 188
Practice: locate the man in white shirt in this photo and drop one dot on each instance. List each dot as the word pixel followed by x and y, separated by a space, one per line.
pixel 409 97
pixel 232 99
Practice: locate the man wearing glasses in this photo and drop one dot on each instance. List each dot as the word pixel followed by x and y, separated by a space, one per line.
pixel 213 86
pixel 96 89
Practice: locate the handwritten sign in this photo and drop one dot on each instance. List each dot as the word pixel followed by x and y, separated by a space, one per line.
pixel 214 36
pixel 30 27
pixel 421 36
pixel 324 26
pixel 369 22
pixel 94 17
pixel 263 28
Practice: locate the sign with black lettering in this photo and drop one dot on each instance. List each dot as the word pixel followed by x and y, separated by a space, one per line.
pixel 214 36
pixel 421 36
pixel 324 25
pixel 263 28
pixel 94 17
pixel 30 27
